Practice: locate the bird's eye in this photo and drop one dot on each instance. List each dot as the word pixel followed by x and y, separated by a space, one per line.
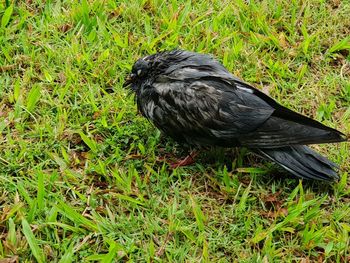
pixel 139 72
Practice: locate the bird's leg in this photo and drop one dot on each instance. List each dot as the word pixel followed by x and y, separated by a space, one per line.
pixel 188 160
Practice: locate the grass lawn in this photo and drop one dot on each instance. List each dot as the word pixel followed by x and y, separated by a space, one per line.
pixel 81 172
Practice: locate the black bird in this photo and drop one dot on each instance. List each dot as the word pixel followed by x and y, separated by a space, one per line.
pixel 192 98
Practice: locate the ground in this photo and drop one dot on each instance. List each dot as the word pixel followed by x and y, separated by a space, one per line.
pixel 82 174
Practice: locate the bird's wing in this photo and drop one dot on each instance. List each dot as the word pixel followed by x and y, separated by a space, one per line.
pixel 286 127
pixel 205 111
pixel 216 111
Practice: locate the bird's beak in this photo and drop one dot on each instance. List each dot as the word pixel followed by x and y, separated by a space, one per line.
pixel 128 80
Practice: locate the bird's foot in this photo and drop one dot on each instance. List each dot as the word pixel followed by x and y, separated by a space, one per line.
pixel 188 160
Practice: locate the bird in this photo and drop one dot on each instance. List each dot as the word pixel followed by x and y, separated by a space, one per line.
pixel 192 98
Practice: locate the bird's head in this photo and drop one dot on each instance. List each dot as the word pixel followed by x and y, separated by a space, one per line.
pixel 138 74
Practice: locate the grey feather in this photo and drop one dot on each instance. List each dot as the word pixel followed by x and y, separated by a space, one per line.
pixel 194 99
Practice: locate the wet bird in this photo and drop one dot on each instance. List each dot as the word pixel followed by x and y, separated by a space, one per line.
pixel 195 100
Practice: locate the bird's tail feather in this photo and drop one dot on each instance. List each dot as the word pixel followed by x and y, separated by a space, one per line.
pixel 303 162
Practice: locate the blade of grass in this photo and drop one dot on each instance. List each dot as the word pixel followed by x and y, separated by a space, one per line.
pixel 41 190
pixel 6 16
pixel 33 98
pixel 77 218
pixel 33 244
pixel 198 214
pixel 68 256
pixel 89 142
pixel 341 45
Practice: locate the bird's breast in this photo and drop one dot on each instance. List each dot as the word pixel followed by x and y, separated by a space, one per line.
pixel 146 102
pixel 148 109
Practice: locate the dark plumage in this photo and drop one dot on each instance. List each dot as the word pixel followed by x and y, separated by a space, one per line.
pixel 195 100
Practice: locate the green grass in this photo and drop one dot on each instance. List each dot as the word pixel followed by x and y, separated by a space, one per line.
pixel 81 179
